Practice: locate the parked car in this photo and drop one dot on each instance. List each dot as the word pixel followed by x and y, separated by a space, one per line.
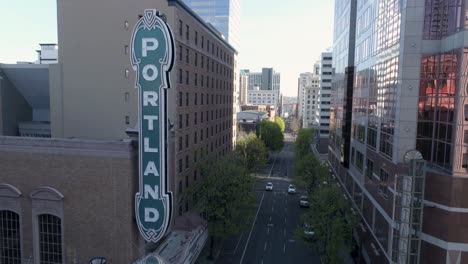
pixel 269 186
pixel 291 189
pixel 308 231
pixel 304 201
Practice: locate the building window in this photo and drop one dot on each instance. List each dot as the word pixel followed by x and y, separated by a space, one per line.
pixel 369 168
pixel 180 143
pixel 202 42
pixel 187 32
pixel 50 239
pixel 196 37
pixel 383 183
pixel 180 76
pixel 187 55
pixel 359 160
pixel 195 138
pixel 195 175
pixel 201 115
pixel 10 246
pixel 180 99
pixel 180 171
pixel 195 119
pixel 371 138
pixel 187 120
pixel 196 80
pixel 187 99
pixel 181 25
pixel 186 141
pixel 127 120
pixel 187 162
pixel 180 121
pixel 186 77
pixel 180 52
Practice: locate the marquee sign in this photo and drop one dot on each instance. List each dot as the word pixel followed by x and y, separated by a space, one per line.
pixel 152 58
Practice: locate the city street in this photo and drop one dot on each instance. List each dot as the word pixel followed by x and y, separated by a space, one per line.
pixel 272 238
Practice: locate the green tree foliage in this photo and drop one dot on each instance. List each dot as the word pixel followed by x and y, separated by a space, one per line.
pixel 280 122
pixel 224 195
pixel 304 139
pixel 252 151
pixel 271 135
pixel 332 219
pixel 310 173
pixel 329 213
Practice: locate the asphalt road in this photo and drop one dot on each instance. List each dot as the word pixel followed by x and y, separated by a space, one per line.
pixel 272 238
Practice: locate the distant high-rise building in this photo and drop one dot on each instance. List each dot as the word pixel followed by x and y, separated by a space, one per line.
pixel 308 102
pixel 263 87
pixel 399 127
pixel 267 79
pixel 308 84
pixel 224 15
pixel 243 85
pixel 323 109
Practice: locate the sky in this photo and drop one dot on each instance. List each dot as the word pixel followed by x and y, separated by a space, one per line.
pixel 286 35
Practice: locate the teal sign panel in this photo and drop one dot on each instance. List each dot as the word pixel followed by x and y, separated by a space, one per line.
pixel 152 57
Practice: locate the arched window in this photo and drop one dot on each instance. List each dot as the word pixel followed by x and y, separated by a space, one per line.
pixel 50 239
pixel 48 226
pixel 10 242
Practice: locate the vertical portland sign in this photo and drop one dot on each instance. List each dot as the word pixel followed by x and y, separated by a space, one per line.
pixel 152 58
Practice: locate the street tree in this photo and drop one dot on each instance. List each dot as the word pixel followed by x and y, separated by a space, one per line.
pixel 252 151
pixel 280 122
pixel 310 173
pixel 332 220
pixel 271 135
pixel 224 195
pixel 295 125
pixel 304 140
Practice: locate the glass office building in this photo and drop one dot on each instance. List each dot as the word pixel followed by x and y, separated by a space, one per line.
pixel 400 93
pixel 224 15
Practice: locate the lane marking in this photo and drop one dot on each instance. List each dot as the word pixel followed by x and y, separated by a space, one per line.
pixel 238 242
pixel 272 208
pixel 284 248
pixel 264 248
pixel 251 229
pixel 270 218
pixel 285 220
pixel 268 231
pixel 272 165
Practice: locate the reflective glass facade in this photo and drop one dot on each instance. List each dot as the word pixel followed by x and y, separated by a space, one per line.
pixel 409 66
pixel 224 15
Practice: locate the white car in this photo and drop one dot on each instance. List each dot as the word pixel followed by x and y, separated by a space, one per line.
pixel 291 189
pixel 303 201
pixel 269 186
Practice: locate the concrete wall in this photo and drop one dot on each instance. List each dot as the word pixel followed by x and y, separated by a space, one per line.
pixel 56 100
pixel 13 107
pixel 97 181
pixel 92 54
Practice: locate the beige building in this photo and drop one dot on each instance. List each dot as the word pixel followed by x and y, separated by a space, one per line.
pixel 84 178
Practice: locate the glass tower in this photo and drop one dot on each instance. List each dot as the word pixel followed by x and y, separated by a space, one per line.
pixel 224 15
